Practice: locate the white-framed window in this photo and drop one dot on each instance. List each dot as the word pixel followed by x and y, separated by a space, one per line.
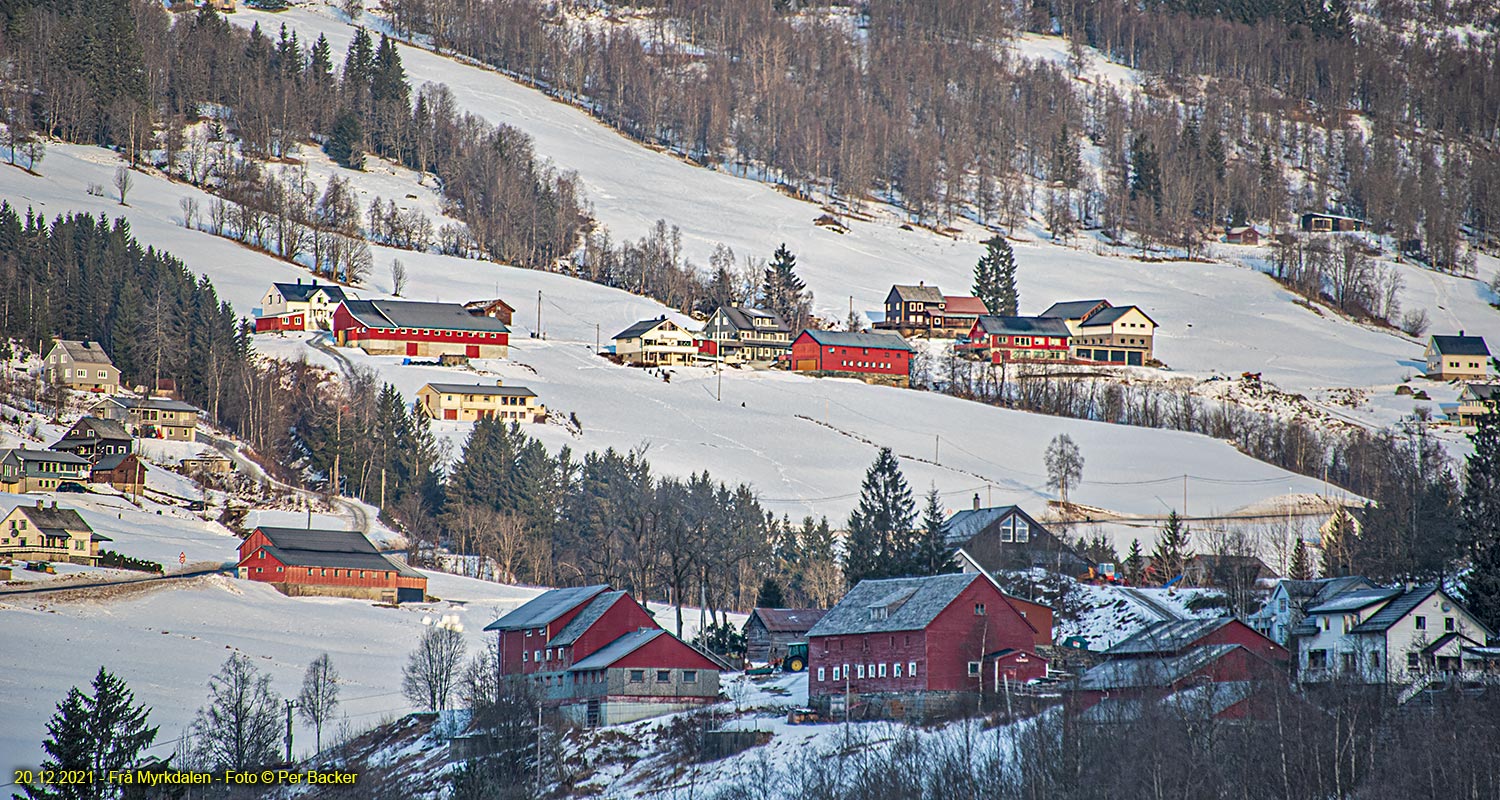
pixel 821 676
pixel 882 670
pixel 525 656
pixel 536 655
pixel 1008 530
pixel 896 670
pixel 973 668
pixel 979 609
pixel 911 668
pixel 1023 531
pixel 859 670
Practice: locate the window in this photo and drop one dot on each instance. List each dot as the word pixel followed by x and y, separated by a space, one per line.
pixel 690 676
pixel 637 676
pixel 1317 659
pixel 859 670
pixel 979 609
pixel 844 673
pixel 911 668
pixel 882 670
pixel 549 654
pixel 1421 623
pixel 536 655
pixel 973 668
pixel 1281 605
pixel 896 670
pixel 663 676
pixel 1023 531
pixel 528 631
pixel 1008 530
pixel 1374 661
pixel 1348 662
pixel 1413 661
pixel 1448 624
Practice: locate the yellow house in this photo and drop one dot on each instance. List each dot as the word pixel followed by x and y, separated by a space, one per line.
pixel 83 366
pixel 48 534
pixel 463 402
pixel 1450 357
pixel 1106 334
pixel 653 342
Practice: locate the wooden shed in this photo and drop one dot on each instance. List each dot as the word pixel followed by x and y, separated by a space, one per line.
pixel 768 631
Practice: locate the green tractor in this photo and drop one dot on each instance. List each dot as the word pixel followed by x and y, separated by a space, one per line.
pixel 794 661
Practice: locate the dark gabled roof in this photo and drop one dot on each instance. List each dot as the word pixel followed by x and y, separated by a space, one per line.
pixel 744 319
pixel 1398 607
pixel 480 388
pixel 153 403
pixel 1072 309
pixel 1034 326
pixel 53 456
pixel 585 618
pixel 85 352
pixel 1167 637
pixel 1481 392
pixel 1132 673
pixel 100 428
pixel 1460 345
pixel 635 331
pixel 1107 316
pixel 1446 638
pixel 545 607
pixel 413 314
pixel 1344 602
pixel 318 540
pixel 300 292
pixel 965 524
pixel 374 562
pixel 111 461
pixel 788 620
pixel 917 294
pixel 910 604
pixel 64 519
pixel 879 339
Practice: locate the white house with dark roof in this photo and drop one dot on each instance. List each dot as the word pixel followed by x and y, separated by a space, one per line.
pixel 465 402
pixel 49 533
pixel 1106 334
pixel 656 342
pixel 298 306
pixel 1389 636
pixel 1458 357
pixel 1290 599
pixel 83 366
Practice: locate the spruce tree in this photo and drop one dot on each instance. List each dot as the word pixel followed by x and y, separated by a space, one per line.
pixel 781 290
pixel 880 527
pixel 1172 548
pixel 1301 567
pixel 100 731
pixel 1145 169
pixel 770 595
pixel 346 142
pixel 1135 563
pixel 995 278
pixel 1479 511
pixel 321 67
pixel 932 543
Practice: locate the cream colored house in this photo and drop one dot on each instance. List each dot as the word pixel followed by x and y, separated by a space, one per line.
pixel 654 342
pixel 1476 400
pixel 48 534
pixel 151 418
pixel 1106 334
pixel 470 402
pixel 315 301
pixel 1389 636
pixel 1457 357
pixel 83 366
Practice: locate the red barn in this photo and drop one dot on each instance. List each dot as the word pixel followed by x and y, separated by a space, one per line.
pixel 599 658
pixel 1155 677
pixel 402 327
pixel 294 321
pixel 1023 339
pixel 1177 636
pixel 880 354
pixel 915 646
pixel 301 562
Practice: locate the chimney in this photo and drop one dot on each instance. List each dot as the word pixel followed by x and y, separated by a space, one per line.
pixel 1460 331
pixel 499 382
pixel 976 501
pixel 299 281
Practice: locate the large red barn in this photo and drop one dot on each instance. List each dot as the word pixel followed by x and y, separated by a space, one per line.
pixel 880 354
pixel 600 659
pixel 402 327
pixel 300 561
pixel 913 646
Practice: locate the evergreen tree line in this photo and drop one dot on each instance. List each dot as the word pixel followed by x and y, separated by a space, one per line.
pixel 87 278
pixel 130 76
pixel 917 108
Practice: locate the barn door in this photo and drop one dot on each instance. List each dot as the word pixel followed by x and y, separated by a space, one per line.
pixel 411 348
pixel 472 351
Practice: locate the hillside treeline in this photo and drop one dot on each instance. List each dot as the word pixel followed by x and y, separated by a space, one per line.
pixel 87 278
pixel 126 74
pixel 924 104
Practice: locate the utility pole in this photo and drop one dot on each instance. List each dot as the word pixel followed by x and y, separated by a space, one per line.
pixel 290 704
pixel 382 488
pixel 936 438
pixel 596 338
pixel 719 371
pixel 538 313
pixel 1184 495
pixel 538 749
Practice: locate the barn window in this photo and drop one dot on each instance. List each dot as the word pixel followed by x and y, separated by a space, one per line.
pixel 973 668
pixel 663 676
pixel 979 609
pixel 637 676
pixel 896 670
pixel 859 670
pixel 525 656
pixel 911 668
pixel 690 676
pixel 882 670
pixel 536 655
pixel 80 547
pixel 821 676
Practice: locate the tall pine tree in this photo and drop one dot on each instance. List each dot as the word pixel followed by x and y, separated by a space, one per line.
pixel 932 542
pixel 1135 563
pixel 995 278
pixel 1301 567
pixel 98 731
pixel 1173 548
pixel 782 291
pixel 880 528
pixel 1479 511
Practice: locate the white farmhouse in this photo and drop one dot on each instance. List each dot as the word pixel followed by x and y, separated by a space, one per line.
pixel 1394 636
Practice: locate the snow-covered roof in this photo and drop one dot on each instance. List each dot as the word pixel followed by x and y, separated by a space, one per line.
pixel 411 314
pixel 546 607
pixel 788 620
pixel 1353 601
pixel 1167 637
pixel 893 604
pixel 1130 673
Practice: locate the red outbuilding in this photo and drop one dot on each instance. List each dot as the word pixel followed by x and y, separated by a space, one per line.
pixel 1023 339
pixel 598 658
pixel 300 562
pixel 295 321
pixel 915 646
pixel 1177 636
pixel 402 327
pixel 880 354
